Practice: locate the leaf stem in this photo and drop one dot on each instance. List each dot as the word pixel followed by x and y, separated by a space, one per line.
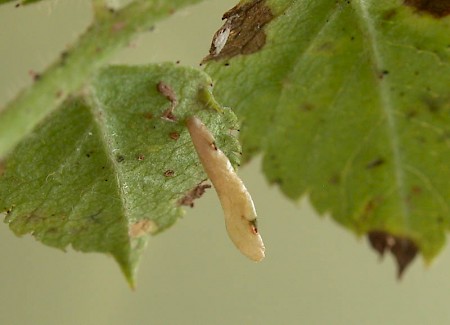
pixel 106 34
pixel 99 8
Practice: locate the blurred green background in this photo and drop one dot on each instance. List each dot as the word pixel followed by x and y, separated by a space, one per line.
pixel 314 272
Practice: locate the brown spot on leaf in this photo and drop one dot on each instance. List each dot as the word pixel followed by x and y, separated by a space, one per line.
pixel 148 116
pixel 403 249
pixel 174 135
pixel 243 31
pixel 34 75
pixel 382 74
pixel 389 14
pixel 434 105
pixel 375 163
pixel 193 194
pixel 413 193
pixel 140 157
pixel 63 56
pixel 59 94
pixel 436 8
pixel 411 114
pixel 10 209
pixel 416 190
pixel 142 227
pixel 168 115
pixel 335 179
pixel 307 107
pixel 120 158
pixel 169 173
pixel 370 207
pixel 168 92
pixel 118 26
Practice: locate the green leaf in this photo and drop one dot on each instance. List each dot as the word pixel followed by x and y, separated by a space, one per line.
pixel 349 102
pixel 22 2
pixel 101 173
pixel 109 31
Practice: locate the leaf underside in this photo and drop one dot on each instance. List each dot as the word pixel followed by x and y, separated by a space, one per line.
pixel 349 103
pixel 105 170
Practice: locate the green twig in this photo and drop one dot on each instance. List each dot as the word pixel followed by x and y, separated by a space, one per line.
pixel 107 33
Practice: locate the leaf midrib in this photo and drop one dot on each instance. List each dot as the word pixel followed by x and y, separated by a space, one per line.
pixel 96 110
pixel 387 106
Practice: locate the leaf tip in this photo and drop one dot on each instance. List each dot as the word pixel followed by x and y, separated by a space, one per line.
pixel 129 270
pixel 403 249
pixel 129 258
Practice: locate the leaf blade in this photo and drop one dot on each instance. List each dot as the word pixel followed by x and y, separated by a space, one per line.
pixel 95 174
pixel 343 100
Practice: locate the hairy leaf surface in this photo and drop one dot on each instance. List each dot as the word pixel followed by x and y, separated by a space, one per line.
pixel 105 170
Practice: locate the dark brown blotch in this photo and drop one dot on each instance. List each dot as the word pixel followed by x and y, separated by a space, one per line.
pixel 245 23
pixel 403 249
pixel 169 173
pixel 195 193
pixel 436 8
